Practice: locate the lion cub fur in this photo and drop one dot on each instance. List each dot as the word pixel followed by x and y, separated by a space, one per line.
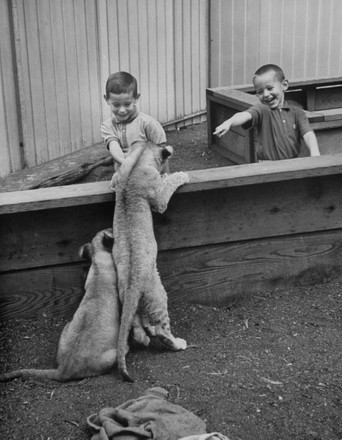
pixel 139 187
pixel 87 345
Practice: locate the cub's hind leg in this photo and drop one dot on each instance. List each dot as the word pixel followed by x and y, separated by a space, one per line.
pixel 156 306
pixel 139 333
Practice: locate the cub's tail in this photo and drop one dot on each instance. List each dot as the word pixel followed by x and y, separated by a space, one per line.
pixel 52 374
pixel 130 306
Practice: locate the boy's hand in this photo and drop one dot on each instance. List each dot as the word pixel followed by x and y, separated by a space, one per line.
pixel 222 129
pixel 113 181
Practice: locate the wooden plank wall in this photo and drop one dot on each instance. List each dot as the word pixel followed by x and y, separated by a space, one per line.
pixel 10 132
pixel 67 48
pixel 59 83
pixel 230 231
pixel 302 36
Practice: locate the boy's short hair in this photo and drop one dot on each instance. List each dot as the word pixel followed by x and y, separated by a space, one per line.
pixel 271 67
pixel 121 82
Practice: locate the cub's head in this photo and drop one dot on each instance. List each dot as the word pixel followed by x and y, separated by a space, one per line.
pixel 102 242
pixel 142 154
pixel 165 153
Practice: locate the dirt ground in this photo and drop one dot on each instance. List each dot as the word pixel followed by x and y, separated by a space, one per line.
pixel 268 367
pixel 191 152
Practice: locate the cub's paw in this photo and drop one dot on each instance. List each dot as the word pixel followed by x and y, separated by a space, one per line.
pixel 183 177
pixel 142 339
pixel 151 330
pixel 180 344
pixel 140 336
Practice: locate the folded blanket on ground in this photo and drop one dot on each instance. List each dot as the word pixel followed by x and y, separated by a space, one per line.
pixel 150 416
pixel 210 436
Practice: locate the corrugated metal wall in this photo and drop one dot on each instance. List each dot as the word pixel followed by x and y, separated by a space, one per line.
pixel 65 50
pixel 9 123
pixel 164 43
pixel 56 55
pixel 302 36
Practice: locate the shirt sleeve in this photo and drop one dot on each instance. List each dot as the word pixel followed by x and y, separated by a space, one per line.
pixel 155 132
pixel 302 122
pixel 256 111
pixel 107 132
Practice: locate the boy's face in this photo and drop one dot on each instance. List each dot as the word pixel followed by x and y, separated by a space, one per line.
pixel 270 90
pixel 122 105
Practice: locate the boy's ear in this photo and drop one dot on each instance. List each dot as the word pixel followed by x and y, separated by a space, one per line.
pixel 105 98
pixel 285 84
pixel 137 97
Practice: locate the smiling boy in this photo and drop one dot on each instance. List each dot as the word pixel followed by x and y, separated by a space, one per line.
pixel 126 124
pixel 280 125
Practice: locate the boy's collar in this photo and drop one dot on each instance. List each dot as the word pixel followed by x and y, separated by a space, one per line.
pixel 133 115
pixel 285 105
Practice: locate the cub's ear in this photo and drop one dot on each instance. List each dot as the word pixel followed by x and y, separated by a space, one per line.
pixel 85 251
pixel 108 239
pixel 167 152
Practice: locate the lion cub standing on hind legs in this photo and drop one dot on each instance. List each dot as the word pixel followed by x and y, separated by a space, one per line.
pixel 139 187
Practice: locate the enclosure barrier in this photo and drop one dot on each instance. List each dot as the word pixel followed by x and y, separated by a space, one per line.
pixel 230 231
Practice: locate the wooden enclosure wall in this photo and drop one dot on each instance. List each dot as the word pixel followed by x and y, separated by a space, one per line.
pixel 64 51
pixel 302 36
pixel 230 231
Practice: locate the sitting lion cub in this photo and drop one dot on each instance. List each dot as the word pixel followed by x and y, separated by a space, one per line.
pixel 140 187
pixel 87 345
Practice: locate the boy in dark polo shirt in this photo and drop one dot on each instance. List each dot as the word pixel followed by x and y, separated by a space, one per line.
pixel 280 125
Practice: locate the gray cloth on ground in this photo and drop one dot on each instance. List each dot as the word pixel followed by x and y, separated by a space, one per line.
pixel 150 416
pixel 210 436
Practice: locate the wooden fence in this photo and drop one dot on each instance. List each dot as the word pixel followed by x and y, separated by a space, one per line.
pixel 230 231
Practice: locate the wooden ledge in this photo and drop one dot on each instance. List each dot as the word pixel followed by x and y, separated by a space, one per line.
pixel 306 83
pixel 200 180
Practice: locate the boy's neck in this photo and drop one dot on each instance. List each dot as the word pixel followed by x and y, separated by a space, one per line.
pixel 132 116
pixel 281 105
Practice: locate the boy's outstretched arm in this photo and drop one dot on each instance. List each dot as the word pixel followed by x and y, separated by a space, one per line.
pixel 311 143
pixel 239 118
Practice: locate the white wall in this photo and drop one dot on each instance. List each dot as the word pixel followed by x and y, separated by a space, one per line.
pixel 302 36
pixel 65 50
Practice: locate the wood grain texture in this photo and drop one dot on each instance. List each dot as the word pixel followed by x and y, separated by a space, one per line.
pixel 49 291
pixel 251 212
pixel 212 275
pixel 52 236
pixel 200 180
pixel 229 231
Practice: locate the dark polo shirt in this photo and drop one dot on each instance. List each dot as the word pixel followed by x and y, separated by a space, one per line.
pixel 279 130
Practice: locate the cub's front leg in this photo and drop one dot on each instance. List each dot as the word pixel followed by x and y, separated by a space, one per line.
pixel 168 186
